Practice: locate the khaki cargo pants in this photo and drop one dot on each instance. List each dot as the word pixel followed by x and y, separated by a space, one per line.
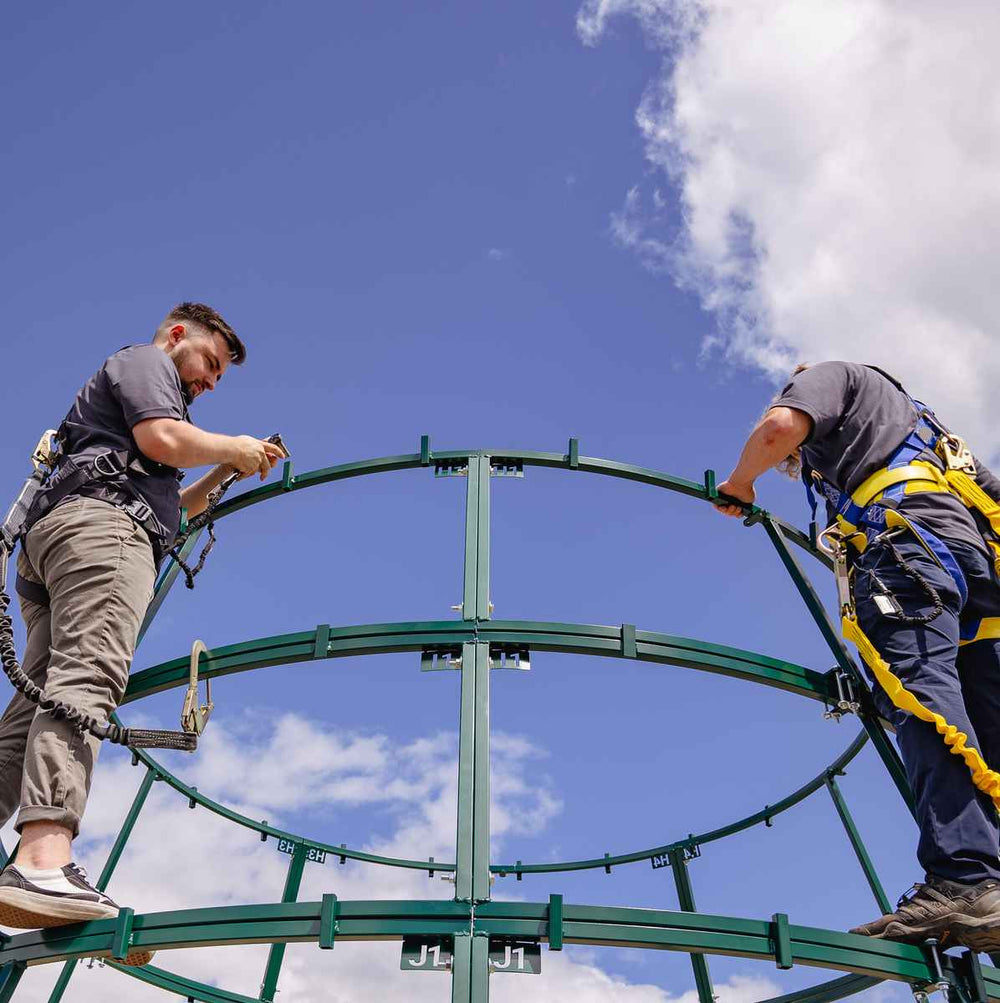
pixel 97 566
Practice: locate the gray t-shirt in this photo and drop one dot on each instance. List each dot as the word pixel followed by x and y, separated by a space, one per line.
pixel 136 383
pixel 859 420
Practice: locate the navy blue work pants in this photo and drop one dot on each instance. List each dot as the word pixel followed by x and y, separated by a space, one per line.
pixel 959 826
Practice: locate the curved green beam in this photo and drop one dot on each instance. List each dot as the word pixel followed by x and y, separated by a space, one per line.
pixel 776 940
pixel 693 841
pixel 444 635
pixel 704 491
pixel 824 992
pixel 764 816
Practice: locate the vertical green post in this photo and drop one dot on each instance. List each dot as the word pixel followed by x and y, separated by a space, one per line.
pixel 685 896
pixel 11 976
pixel 476 593
pixel 470 964
pixel 856 842
pixel 110 864
pixel 836 644
pixel 481 808
pixel 293 879
pixel 470 969
pixel 472 874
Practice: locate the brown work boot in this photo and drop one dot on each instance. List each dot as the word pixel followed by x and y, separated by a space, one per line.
pixel 953 912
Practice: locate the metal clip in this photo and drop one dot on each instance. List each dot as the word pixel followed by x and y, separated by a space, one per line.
pixel 831 542
pixel 846 704
pixel 956 454
pixel 44 454
pixel 195 718
pixel 4 561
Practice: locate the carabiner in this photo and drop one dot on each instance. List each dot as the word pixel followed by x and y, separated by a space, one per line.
pixel 195 718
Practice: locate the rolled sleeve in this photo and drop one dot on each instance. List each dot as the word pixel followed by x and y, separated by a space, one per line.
pixel 821 392
pixel 145 383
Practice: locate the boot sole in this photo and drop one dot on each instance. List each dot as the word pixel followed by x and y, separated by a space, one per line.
pixel 25 910
pixel 981 935
pixel 943 927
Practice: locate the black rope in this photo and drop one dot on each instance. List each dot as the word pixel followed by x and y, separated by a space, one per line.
pixel 917 619
pixel 107 731
pixel 189 572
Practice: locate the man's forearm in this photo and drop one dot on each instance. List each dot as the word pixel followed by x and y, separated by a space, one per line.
pixel 195 497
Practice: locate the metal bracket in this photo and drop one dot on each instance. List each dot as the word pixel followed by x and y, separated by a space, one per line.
pixel 195 718
pixel 846 702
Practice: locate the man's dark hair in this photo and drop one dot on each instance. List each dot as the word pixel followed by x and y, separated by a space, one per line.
pixel 211 320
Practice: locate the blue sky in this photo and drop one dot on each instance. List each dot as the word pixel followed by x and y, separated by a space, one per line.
pixel 407 213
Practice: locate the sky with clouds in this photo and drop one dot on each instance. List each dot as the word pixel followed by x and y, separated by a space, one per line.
pixel 502 225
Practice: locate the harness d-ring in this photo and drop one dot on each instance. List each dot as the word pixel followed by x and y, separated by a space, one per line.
pixel 195 718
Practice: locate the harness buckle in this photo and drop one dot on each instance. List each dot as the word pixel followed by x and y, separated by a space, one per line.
pixel 195 718
pixel 105 466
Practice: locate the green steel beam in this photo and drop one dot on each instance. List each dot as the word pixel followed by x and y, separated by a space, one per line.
pixel 568 638
pixel 299 922
pixel 10 977
pixel 826 992
pixel 757 818
pixel 59 989
pixel 470 607
pixel 857 843
pixel 465 837
pixel 481 808
pixel 293 880
pixel 483 541
pixel 685 896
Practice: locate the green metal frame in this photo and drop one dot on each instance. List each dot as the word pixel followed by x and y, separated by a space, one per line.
pixel 470 645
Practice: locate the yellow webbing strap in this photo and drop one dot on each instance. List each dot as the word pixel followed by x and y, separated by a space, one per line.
pixel 989 628
pixel 987 780
pixel 871 487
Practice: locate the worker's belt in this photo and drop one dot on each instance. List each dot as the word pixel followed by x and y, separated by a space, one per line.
pixel 105 478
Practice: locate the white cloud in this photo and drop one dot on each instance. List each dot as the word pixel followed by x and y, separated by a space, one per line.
pixel 497 254
pixel 179 858
pixel 837 165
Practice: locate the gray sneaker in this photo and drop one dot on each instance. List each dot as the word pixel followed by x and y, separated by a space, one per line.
pixel 68 898
pixel 953 912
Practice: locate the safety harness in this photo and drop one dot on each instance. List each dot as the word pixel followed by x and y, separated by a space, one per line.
pixel 54 478
pixel 870 513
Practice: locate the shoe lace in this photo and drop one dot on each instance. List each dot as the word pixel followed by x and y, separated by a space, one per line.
pixel 920 901
pixel 80 871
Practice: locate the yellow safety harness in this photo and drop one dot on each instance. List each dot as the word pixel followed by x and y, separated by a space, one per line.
pixel 958 479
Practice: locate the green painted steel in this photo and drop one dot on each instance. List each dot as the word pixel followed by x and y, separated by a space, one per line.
pixel 299 922
pixel 471 918
pixel 685 896
pixel 857 844
pixel 276 955
pixel 59 989
pixel 568 638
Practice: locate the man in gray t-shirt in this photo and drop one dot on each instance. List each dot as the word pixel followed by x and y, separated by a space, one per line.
pixel 924 584
pixel 85 576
